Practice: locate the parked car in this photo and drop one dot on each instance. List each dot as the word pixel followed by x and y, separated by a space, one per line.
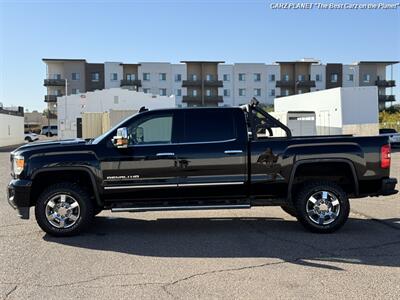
pixel 198 158
pixel 394 136
pixel 49 132
pixel 31 137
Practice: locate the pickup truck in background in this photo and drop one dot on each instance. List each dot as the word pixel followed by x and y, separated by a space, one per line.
pixel 198 158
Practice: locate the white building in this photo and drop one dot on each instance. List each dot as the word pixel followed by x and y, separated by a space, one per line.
pixel 11 126
pixel 71 108
pixel 351 110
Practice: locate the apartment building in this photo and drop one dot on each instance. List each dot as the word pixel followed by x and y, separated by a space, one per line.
pixel 215 83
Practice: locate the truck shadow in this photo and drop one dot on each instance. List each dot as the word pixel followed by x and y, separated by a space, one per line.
pixel 361 241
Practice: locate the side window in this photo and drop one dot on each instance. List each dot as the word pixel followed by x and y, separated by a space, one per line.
pixel 208 126
pixel 154 129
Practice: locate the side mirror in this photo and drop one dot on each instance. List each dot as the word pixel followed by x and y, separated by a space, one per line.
pixel 121 139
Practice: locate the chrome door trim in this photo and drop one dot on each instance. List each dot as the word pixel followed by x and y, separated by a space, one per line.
pixel 139 186
pixel 233 151
pixel 165 154
pixel 210 183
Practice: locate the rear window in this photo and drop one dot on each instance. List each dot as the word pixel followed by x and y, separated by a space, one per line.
pixel 208 126
pixel 53 127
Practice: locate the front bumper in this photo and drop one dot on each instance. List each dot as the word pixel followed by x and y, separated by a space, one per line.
pixel 388 186
pixel 18 195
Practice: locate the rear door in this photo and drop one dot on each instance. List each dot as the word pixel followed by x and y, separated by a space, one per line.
pixel 212 154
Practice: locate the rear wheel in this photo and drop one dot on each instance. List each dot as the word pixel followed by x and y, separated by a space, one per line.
pixel 64 209
pixel 322 206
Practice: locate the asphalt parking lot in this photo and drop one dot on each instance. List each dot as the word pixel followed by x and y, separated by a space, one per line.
pixel 257 254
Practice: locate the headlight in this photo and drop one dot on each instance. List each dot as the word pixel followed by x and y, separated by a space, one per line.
pixel 18 164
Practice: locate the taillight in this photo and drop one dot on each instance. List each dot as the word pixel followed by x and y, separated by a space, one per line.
pixel 385 156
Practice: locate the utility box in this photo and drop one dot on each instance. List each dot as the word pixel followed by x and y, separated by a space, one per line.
pixel 350 110
pixel 300 123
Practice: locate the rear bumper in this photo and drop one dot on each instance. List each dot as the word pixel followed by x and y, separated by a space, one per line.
pixel 388 186
pixel 18 196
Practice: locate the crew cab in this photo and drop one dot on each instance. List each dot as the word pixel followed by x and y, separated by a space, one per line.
pixel 198 158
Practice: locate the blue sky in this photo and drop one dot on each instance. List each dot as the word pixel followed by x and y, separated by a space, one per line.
pixel 133 31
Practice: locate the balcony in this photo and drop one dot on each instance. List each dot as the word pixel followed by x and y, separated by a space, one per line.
pixel 385 83
pixel 54 82
pixel 305 83
pixel 386 98
pixel 127 82
pixel 285 83
pixel 198 99
pixel 208 83
pixel 51 98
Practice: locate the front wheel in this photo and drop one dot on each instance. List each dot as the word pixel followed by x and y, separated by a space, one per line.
pixel 322 206
pixel 64 209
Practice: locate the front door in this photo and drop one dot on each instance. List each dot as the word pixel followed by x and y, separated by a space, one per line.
pixel 147 169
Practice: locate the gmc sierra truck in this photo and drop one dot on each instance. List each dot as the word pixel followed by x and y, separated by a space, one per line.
pixel 198 158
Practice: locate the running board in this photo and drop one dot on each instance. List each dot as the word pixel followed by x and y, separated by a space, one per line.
pixel 181 207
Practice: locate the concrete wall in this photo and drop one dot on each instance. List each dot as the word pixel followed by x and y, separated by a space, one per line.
pixel 103 101
pixel 11 130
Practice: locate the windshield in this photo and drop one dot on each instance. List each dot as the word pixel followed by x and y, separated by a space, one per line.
pixel 101 137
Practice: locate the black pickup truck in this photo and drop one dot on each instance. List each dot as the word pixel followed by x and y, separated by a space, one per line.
pixel 198 158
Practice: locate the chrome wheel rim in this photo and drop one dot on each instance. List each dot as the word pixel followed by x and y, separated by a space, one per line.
pixel 323 208
pixel 62 211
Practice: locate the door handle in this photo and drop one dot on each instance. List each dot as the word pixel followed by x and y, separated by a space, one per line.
pixel 233 151
pixel 165 154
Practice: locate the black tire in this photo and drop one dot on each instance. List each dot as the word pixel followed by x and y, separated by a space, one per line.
pixel 289 210
pixel 315 187
pixel 71 190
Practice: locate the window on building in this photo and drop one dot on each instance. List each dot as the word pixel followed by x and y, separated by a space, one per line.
pixel 58 92
pixel 178 92
pixel 350 77
pixel 272 92
pixel 210 125
pixel 146 90
pixel 227 93
pixel 178 77
pixel 242 77
pixel 271 77
pixel 366 78
pixel 209 77
pixel 334 77
pixel 163 92
pixel 76 76
pixel 286 77
pixel 146 76
pixel 74 91
pixel 95 76
pixel 257 92
pixel 57 76
pixel 285 92
pixel 208 93
pixel 257 76
pixel 162 76
pixel 130 77
pixel 318 77
pixel 193 77
pixel 242 92
pixel 194 93
pixel 300 92
pixel 301 77
pixel 114 76
pixel 226 77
